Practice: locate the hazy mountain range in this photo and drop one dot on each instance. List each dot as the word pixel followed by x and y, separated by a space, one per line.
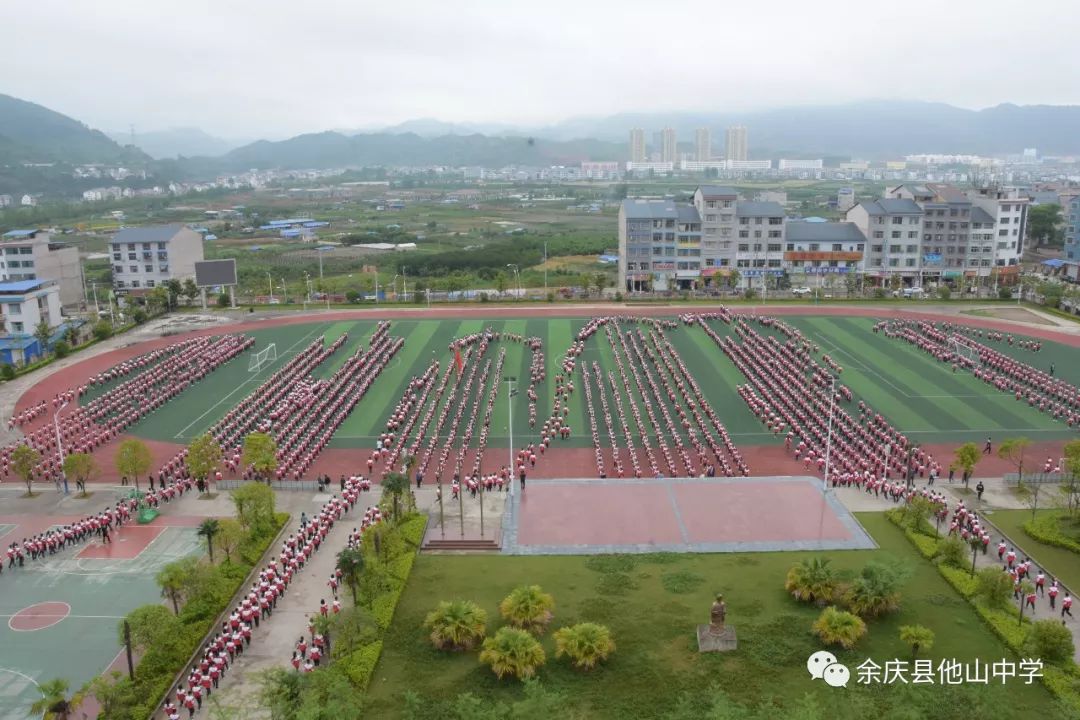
pixel 32 134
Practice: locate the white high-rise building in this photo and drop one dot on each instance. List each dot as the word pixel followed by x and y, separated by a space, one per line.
pixel 669 146
pixel 702 145
pixel 637 145
pixel 735 143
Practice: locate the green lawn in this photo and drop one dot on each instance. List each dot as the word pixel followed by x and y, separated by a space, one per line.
pixel 652 604
pixel 1058 562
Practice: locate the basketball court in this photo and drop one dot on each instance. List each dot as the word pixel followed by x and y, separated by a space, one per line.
pixel 759 514
pixel 75 600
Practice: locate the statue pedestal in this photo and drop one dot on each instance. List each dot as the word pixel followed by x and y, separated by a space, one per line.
pixel 709 641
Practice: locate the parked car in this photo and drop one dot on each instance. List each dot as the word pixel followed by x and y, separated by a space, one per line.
pixel 800 291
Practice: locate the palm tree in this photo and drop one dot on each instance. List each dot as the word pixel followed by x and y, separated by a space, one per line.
pixel 812 580
pixel 836 627
pixel 513 652
pixel 171 579
pixel 917 637
pixel 456 625
pixel 874 592
pixel 585 643
pixel 54 702
pixel 350 562
pixel 396 484
pixel 208 528
pixel 528 607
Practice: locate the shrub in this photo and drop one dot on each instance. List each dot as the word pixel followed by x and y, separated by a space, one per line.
pixel 876 590
pixel 966 585
pixel 618 296
pixel 586 644
pixel 1046 528
pixel 352 296
pixel 837 627
pixel 528 607
pixel 551 297
pixel 812 580
pixel 360 664
pixel 879 293
pixel 7 371
pixel 483 297
pixel 750 293
pixel 1005 293
pixel 917 637
pixel 103 330
pixel 952 551
pixel 994 587
pixel 138 316
pixel 944 292
pixel 223 300
pixel 456 625
pixel 513 652
pixel 1051 641
pixel 62 349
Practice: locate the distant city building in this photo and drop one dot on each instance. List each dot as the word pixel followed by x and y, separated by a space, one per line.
pixel 749 165
pixel 637 145
pixel 845 199
pixel 735 145
pixel 669 147
pixel 702 145
pixel 148 257
pixel 647 167
pixel 601 170
pixel 702 165
pixel 786 164
pixel 855 165
pixel 32 255
pixel 776 196
pixel 6 201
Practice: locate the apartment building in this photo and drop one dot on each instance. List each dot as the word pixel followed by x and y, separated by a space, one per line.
pixel 893 229
pixel 715 205
pixel 33 255
pixel 760 239
pixel 669 146
pixel 735 145
pixel 1071 213
pixel 637 146
pixel 1009 209
pixel 818 250
pixel 147 257
pixel 702 145
pixel 23 305
pixel 659 245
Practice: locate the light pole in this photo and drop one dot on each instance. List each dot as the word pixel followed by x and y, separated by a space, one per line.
pixel 517 279
pixel 284 292
pixel 545 269
pixel 393 288
pixel 510 392
pixel 828 438
pixel 97 310
pixel 59 447
pixel 404 287
pixel 270 280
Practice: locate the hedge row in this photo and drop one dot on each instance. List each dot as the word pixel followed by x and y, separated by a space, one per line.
pixel 159 665
pixel 1063 683
pixel 1047 530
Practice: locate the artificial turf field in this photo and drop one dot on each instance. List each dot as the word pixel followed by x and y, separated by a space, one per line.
pixel 651 603
pixel 920 396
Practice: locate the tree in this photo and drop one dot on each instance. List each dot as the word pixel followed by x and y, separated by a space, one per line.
pixel 812 580
pixel 967 455
pixel 42 333
pixel 1051 641
pixel 350 562
pixel 513 652
pixel 55 702
pixel 836 627
pixel 228 537
pixel 82 467
pixel 115 693
pixel 1029 493
pixel 528 607
pixel 103 330
pixel 733 278
pixel 208 528
pixel 586 644
pixel 1043 221
pixel 396 484
pixel 994 587
pixel 254 504
pixel 260 453
pixel 133 459
pixel 150 626
pixel 501 282
pixel 175 289
pixel 600 281
pixel 173 578
pixel 917 638
pixel 1012 449
pixel 203 456
pixel 158 300
pixel 456 625
pixel 24 460
pixel 876 590
pixel 190 291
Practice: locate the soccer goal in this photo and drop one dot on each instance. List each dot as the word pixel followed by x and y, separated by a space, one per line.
pixel 262 357
pixel 965 351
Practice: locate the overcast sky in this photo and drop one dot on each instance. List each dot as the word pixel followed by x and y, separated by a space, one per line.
pixel 247 68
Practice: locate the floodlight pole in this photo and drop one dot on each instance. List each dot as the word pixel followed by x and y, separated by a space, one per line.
pixel 828 439
pixel 271 281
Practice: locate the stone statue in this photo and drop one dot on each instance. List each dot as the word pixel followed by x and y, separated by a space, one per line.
pixel 717 616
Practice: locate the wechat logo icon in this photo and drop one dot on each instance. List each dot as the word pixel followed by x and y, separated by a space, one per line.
pixel 822 665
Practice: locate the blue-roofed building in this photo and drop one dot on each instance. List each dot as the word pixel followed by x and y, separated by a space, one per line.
pixel 24 304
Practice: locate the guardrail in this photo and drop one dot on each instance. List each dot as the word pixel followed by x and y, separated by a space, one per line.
pixel 287 485
pixel 1036 478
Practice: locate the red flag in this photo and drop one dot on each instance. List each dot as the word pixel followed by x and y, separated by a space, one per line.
pixel 457 360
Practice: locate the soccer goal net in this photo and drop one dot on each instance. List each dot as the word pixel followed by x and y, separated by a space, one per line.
pixel 262 357
pixel 965 351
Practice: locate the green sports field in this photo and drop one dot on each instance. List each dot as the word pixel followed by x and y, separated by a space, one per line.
pixel 919 395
